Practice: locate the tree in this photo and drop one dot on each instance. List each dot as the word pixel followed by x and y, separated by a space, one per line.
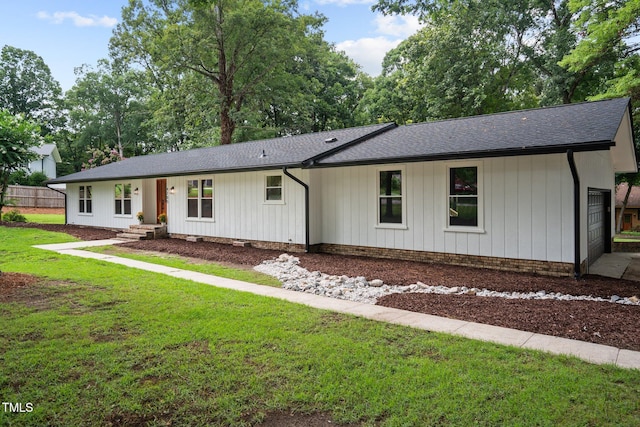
pixel 107 107
pixel 323 90
pixel 466 61
pixel 500 55
pixel 27 88
pixel 611 30
pixel 236 45
pixel 17 137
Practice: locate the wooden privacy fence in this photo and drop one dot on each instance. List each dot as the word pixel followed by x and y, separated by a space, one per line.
pixel 34 197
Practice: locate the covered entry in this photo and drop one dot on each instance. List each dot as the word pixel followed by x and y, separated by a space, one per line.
pixel 598 223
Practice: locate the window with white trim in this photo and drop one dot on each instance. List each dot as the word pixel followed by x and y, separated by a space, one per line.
pixel 463 197
pixel 273 188
pixel 122 195
pixel 85 205
pixel 391 208
pixel 200 198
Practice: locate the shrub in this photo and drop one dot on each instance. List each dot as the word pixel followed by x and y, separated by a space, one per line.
pixel 37 179
pixel 14 216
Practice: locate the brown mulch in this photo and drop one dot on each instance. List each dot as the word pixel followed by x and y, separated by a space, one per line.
pixel 599 322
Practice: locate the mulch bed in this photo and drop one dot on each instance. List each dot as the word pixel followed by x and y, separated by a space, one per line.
pixel 599 322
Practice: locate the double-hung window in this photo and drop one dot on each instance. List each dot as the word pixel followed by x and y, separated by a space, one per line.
pixel 463 194
pixel 391 203
pixel 200 198
pixel 273 189
pixel 122 195
pixel 85 200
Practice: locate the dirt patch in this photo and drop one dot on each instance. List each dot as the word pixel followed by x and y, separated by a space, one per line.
pixel 10 282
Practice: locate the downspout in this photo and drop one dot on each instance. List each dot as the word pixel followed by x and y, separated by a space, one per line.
pixel 576 215
pixel 306 207
pixel 65 202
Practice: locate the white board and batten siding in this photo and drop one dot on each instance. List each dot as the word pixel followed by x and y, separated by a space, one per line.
pixel 596 172
pixel 103 204
pixel 240 210
pixel 526 202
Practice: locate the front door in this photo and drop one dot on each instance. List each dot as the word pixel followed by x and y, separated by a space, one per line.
pixel 161 198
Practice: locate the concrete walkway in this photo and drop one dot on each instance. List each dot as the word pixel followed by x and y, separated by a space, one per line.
pixel 594 353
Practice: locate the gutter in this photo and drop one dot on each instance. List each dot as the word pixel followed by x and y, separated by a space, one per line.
pixel 306 207
pixel 65 202
pixel 576 215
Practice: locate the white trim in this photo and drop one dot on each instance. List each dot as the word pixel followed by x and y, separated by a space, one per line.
pixel 122 199
pixel 199 180
pixel 403 197
pixel 479 229
pixel 266 187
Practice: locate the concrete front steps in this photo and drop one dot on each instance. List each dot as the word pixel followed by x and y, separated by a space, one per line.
pixel 144 232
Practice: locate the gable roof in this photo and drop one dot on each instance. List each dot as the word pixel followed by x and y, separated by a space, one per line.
pixel 581 127
pixel 601 125
pixel 289 151
pixel 48 150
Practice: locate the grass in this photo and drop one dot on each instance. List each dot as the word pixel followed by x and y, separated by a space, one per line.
pixel 183 263
pixel 94 343
pixel 45 218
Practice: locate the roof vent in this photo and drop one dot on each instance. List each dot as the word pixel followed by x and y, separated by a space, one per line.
pixel 330 140
pixel 263 155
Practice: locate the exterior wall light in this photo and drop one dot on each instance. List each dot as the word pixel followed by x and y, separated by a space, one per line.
pixel 172 190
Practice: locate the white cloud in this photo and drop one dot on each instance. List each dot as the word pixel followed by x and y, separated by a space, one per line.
pixel 78 20
pixel 397 26
pixel 368 52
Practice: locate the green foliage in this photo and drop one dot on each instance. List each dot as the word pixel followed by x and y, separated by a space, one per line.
pixel 93 343
pixel 238 47
pixel 14 216
pixel 37 179
pixel 107 107
pixel 27 88
pixel 20 177
pixel 17 137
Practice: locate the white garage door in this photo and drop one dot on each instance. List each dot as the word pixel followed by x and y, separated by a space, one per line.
pixel 596 225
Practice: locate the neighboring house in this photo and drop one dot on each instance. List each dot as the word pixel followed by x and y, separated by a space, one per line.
pixel 48 158
pixel 631 215
pixel 526 190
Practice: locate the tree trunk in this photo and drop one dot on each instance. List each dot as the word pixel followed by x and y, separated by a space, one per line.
pixel 227 126
pixel 624 205
pixel 4 185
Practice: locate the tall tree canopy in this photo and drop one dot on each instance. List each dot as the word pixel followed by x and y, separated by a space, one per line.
pixel 27 87
pixel 236 45
pixel 483 56
pixel 17 137
pixel 108 106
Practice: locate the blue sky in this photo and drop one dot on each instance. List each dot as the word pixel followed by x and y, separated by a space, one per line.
pixel 70 33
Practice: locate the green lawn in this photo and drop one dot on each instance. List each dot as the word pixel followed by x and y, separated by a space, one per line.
pixel 45 218
pixel 183 263
pixel 92 343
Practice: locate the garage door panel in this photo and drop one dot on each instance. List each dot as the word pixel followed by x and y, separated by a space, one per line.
pixel 596 223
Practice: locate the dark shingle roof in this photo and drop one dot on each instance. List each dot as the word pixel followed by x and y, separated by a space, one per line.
pixel 279 152
pixel 584 126
pixel 581 127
